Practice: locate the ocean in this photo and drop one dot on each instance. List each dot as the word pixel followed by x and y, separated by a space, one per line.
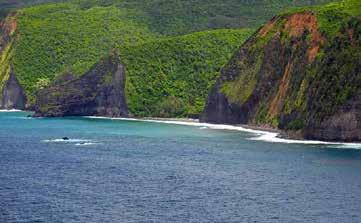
pixel 122 170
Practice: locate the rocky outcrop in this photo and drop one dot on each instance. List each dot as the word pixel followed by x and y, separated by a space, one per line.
pixel 100 92
pixel 343 125
pixel 291 76
pixel 13 96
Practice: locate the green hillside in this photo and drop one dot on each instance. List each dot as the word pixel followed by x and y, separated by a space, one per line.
pixel 299 72
pixel 172 76
pixel 9 5
pixel 174 17
pixel 332 16
pixel 56 38
pixel 53 39
pixel 338 63
pixel 183 16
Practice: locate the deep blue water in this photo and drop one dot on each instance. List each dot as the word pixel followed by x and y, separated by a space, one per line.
pixel 153 172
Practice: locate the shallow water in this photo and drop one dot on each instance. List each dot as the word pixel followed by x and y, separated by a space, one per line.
pixel 131 171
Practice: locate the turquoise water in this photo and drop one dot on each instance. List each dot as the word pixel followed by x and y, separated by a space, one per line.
pixel 132 171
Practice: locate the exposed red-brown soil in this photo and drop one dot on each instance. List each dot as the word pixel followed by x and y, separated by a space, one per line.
pixel 7 29
pixel 296 26
pixel 266 28
pixel 8 25
pixel 351 33
pixel 277 101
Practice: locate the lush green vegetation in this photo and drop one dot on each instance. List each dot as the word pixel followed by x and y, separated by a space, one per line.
pixel 5 64
pixel 342 56
pixel 9 5
pixel 173 76
pixel 56 38
pixel 337 64
pixel 174 17
pixel 331 17
pixel 158 67
pixel 184 16
pixel 168 74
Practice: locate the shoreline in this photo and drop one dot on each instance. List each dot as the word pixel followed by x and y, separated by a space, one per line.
pixel 261 133
pixel 265 134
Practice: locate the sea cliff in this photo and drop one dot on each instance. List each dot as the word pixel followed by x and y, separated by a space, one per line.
pixel 301 72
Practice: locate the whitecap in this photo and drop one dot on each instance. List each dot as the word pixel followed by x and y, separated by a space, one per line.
pixel 86 144
pixel 68 140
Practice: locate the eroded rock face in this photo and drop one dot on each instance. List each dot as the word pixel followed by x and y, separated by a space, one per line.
pixel 272 67
pixel 13 96
pixel 344 125
pixel 98 92
pixel 278 78
pixel 220 110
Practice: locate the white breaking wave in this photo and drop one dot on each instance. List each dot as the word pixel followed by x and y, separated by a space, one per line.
pixel 10 110
pixel 86 144
pixel 274 137
pixel 22 117
pixel 68 140
pixel 261 135
pixel 346 146
pixel 75 142
pixel 191 122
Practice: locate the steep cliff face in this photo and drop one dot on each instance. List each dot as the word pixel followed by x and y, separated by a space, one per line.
pixel 344 124
pixel 295 75
pixel 11 92
pixel 13 96
pixel 98 92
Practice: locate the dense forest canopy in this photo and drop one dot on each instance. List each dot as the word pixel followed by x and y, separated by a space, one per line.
pixel 173 17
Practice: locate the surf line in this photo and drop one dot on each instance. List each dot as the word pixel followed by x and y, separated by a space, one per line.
pixel 261 135
pixel 10 110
